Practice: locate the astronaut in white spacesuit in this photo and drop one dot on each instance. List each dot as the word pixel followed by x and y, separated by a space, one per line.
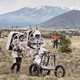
pixel 19 45
pixel 35 43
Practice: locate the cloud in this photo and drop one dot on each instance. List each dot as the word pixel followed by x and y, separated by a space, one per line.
pixel 11 5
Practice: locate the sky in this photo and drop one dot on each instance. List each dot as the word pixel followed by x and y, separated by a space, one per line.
pixel 12 5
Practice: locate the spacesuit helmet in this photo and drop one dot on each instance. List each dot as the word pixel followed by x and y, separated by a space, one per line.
pixel 37 34
pixel 21 37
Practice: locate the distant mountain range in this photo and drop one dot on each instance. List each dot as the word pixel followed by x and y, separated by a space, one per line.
pixel 30 16
pixel 69 20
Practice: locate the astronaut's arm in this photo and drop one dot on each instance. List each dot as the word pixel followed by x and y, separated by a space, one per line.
pixel 16 44
pixel 30 45
pixel 24 47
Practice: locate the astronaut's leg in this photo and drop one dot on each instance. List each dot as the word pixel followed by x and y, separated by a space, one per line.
pixel 14 55
pixel 19 60
pixel 14 64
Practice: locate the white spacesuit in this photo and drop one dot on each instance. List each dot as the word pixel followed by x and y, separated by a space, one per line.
pixel 16 43
pixel 37 58
pixel 35 44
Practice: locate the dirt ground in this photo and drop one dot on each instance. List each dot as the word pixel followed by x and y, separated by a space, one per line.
pixel 75 42
pixel 70 61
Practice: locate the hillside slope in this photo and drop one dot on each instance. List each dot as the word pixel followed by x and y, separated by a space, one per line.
pixel 66 20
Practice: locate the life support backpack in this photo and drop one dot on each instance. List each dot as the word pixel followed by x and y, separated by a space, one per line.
pixel 11 37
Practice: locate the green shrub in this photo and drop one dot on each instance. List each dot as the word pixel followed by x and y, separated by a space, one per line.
pixel 64 44
pixel 65 49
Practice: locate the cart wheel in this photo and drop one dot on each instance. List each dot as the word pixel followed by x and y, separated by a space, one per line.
pixel 59 71
pixel 44 72
pixel 34 70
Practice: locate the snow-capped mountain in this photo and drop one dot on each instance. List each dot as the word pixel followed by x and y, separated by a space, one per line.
pixel 68 20
pixel 30 16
